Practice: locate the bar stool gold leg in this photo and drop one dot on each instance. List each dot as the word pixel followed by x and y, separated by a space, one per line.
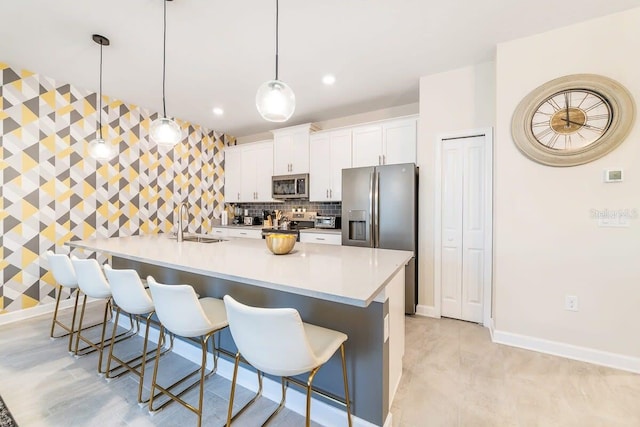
pixel 346 384
pixel 230 416
pixel 309 381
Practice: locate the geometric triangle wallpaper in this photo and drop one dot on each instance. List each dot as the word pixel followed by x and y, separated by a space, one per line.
pixel 51 191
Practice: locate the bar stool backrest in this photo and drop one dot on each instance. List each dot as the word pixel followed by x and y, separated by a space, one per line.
pixel 128 290
pixel 62 269
pixel 179 310
pixel 272 340
pixel 91 279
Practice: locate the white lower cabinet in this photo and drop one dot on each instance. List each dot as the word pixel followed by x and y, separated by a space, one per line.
pixel 219 231
pixel 249 233
pixel 322 238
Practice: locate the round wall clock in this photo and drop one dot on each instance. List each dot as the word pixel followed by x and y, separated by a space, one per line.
pixel 573 120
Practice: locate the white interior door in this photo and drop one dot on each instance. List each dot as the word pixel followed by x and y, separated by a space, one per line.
pixel 465 202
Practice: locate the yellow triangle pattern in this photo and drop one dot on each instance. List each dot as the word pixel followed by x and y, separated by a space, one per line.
pixel 74 188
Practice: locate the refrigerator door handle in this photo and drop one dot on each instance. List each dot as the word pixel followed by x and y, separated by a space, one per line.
pixel 376 210
pixel 372 177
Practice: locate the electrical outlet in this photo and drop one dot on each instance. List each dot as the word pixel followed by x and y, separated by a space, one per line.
pixel 571 302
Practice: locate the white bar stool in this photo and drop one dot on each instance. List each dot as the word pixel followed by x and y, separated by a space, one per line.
pixel 65 277
pixel 92 283
pixel 181 313
pixel 130 297
pixel 276 341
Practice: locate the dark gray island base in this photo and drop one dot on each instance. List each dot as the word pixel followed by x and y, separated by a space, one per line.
pixel 367 353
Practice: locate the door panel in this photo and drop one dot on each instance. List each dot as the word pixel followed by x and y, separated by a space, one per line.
pixel 356 207
pixel 451 262
pixel 367 146
pixel 464 199
pixel 340 159
pixel 473 221
pixel 319 167
pixel 397 206
pixel 399 142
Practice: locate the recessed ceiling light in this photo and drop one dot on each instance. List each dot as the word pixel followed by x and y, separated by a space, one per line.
pixel 218 111
pixel 329 79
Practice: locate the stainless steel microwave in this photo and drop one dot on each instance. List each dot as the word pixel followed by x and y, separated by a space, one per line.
pixel 290 186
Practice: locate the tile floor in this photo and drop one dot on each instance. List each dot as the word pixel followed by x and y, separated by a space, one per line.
pixel 454 376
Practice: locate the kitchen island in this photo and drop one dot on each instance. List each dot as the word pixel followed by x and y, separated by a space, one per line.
pixel 359 291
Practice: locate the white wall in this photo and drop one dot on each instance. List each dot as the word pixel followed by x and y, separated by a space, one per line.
pixel 546 244
pixel 462 99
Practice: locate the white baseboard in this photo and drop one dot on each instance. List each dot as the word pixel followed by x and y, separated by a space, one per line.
pixel 18 315
pixel 491 328
pixel 583 354
pixel 321 412
pixel 427 311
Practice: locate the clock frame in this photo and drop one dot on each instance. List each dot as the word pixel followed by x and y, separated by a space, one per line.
pixel 573 120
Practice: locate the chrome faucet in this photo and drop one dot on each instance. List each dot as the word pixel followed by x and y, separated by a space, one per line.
pixel 180 234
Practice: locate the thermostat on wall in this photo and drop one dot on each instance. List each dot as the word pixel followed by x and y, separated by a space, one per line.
pixel 611 175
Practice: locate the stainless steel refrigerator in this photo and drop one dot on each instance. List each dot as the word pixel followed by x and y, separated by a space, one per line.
pixel 380 210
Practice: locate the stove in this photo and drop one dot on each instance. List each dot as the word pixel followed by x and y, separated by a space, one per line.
pixel 297 221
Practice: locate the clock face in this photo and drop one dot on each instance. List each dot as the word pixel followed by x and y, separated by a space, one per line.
pixel 571 120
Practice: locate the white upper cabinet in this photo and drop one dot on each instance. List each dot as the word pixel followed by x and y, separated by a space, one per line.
pixel 248 171
pixel 330 152
pixel 367 146
pixel 291 150
pixel 385 143
pixel 232 174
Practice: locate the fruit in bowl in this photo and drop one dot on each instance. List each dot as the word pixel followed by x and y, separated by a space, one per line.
pixel 279 243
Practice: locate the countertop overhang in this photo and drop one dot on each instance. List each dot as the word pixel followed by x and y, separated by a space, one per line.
pixel 344 274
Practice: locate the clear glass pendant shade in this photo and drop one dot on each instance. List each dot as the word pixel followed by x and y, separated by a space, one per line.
pixel 275 101
pixel 165 131
pixel 99 149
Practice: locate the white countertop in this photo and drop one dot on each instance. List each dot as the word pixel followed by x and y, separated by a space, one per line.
pixel 344 274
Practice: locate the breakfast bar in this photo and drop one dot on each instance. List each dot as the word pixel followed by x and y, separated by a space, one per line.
pixel 359 291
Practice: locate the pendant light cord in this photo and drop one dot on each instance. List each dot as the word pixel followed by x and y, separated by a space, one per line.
pixel 276 39
pixel 100 95
pixel 164 58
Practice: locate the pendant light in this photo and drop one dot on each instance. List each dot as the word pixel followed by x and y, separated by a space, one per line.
pixel 99 149
pixel 165 131
pixel 275 100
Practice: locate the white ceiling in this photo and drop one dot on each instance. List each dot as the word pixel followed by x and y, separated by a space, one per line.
pixel 219 52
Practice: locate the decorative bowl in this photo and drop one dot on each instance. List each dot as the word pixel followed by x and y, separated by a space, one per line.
pixel 279 243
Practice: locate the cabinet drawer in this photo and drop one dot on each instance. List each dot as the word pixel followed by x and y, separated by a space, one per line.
pixel 325 239
pixel 219 232
pixel 246 233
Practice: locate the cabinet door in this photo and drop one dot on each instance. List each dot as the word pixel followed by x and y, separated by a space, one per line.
pixel 300 152
pixel 249 175
pixel 319 167
pixel 291 151
pixel 264 171
pixel 340 159
pixel 367 146
pixel 282 149
pixel 399 141
pixel 232 174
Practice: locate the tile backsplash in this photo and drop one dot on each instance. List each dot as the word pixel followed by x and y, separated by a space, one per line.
pixel 323 208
